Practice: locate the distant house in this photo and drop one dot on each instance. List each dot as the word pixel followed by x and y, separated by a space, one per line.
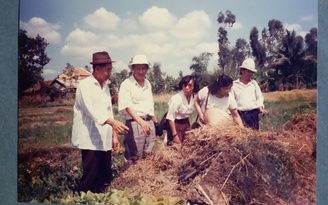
pixel 36 88
pixel 63 81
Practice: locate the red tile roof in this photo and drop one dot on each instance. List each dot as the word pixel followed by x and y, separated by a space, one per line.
pixel 82 71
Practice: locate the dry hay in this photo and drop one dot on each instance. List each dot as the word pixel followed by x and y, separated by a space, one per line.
pixel 229 165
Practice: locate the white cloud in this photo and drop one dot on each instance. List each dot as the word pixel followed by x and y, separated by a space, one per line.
pixel 80 44
pixel 102 19
pixel 157 19
pixel 129 24
pixel 173 47
pixel 291 27
pixel 49 74
pixel 193 26
pixel 38 26
pixel 81 37
pixel 307 18
pixel 237 25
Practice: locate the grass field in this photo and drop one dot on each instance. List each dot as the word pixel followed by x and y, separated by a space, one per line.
pixel 52 124
pixel 48 167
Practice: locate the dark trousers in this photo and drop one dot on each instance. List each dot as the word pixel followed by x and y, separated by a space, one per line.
pixel 181 126
pixel 97 171
pixel 250 118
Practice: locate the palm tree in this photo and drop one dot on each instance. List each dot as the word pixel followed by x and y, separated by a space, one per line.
pixel 291 61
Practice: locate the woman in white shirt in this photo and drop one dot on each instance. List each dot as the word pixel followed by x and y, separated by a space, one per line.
pixel 181 107
pixel 217 95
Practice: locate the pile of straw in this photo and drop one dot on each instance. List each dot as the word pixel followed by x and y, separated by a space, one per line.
pixel 229 165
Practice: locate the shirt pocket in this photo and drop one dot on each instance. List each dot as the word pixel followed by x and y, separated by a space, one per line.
pixel 137 96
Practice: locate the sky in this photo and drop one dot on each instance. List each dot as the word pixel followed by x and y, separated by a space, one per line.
pixel 168 32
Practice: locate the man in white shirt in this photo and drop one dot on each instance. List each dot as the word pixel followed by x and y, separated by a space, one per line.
pixel 136 106
pixel 248 95
pixel 94 128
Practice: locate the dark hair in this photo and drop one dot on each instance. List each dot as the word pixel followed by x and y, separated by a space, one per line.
pixel 185 80
pixel 221 82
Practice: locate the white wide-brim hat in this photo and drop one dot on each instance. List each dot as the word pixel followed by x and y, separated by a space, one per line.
pixel 249 64
pixel 138 59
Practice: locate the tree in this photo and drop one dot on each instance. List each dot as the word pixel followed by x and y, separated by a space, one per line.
pixel 116 79
pixel 31 60
pixel 224 52
pixel 258 50
pixel 271 39
pixel 199 68
pixel 156 78
pixel 292 55
pixel 311 39
pixel 238 53
pixel 71 77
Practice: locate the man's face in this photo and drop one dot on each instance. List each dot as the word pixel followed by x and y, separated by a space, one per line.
pixel 247 73
pixel 105 71
pixel 140 71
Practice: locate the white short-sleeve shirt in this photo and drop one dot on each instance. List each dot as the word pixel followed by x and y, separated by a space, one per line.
pixel 179 108
pixel 226 103
pixel 140 99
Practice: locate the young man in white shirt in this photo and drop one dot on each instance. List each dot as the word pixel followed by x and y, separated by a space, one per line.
pixel 136 106
pixel 248 95
pixel 94 128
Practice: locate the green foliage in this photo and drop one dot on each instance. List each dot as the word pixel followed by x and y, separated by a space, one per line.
pixel 31 59
pixel 155 77
pixel 45 183
pixel 58 184
pixel 114 197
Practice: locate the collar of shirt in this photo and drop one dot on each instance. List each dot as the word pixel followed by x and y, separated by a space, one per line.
pixel 185 101
pixel 134 81
pixel 95 81
pixel 248 84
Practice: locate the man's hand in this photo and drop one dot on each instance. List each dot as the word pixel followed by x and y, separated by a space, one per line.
pixel 117 126
pixel 263 111
pixel 145 127
pixel 116 143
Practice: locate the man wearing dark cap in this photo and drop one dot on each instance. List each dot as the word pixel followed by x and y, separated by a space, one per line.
pixel 94 128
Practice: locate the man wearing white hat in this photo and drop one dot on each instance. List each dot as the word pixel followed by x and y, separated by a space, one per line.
pixel 136 106
pixel 248 95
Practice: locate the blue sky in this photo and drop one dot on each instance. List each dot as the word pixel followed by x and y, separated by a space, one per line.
pixel 170 32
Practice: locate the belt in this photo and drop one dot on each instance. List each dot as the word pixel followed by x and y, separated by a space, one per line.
pixel 181 120
pixel 247 111
pixel 145 118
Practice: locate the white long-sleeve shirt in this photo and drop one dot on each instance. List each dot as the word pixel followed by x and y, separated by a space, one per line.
pixel 248 97
pixel 92 108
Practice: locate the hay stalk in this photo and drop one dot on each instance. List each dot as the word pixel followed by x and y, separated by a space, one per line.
pixel 233 169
